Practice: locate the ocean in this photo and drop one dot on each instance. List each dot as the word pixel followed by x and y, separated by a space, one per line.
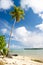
pixel 37 54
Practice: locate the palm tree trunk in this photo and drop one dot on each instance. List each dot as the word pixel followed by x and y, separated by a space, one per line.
pixel 11 34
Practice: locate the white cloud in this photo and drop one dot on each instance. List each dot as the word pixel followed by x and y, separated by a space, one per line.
pixel 34 39
pixel 15 46
pixel 28 38
pixel 36 5
pixel 6 4
pixel 40 26
pixel 41 15
pixel 25 37
pixel 4 30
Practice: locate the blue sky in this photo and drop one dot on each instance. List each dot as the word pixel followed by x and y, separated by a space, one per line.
pixel 27 32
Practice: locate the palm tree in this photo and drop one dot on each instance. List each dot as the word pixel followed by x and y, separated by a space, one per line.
pixel 16 14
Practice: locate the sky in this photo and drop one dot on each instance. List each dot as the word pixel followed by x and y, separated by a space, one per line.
pixel 27 33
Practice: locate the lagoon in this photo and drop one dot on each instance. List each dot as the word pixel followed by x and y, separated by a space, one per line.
pixel 37 54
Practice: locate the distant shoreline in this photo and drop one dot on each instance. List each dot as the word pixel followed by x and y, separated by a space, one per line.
pixel 33 48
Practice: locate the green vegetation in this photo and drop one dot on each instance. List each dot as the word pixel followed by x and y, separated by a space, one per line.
pixel 2 42
pixel 3 49
pixel 16 14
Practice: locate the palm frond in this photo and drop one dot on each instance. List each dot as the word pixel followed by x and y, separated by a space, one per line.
pixel 12 13
pixel 13 17
pixel 22 11
pixel 22 17
pixel 17 13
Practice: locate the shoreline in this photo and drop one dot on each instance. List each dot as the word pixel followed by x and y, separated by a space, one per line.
pixel 20 60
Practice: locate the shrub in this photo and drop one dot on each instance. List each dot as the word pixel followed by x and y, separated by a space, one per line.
pixel 5 51
pixel 2 42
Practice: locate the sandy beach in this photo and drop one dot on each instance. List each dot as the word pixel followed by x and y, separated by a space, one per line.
pixel 19 60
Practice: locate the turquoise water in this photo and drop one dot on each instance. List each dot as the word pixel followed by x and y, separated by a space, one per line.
pixel 38 54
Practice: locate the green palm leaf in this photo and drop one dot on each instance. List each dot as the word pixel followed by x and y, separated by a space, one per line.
pixel 17 13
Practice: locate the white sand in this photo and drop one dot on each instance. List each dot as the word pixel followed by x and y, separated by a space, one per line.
pixel 19 60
